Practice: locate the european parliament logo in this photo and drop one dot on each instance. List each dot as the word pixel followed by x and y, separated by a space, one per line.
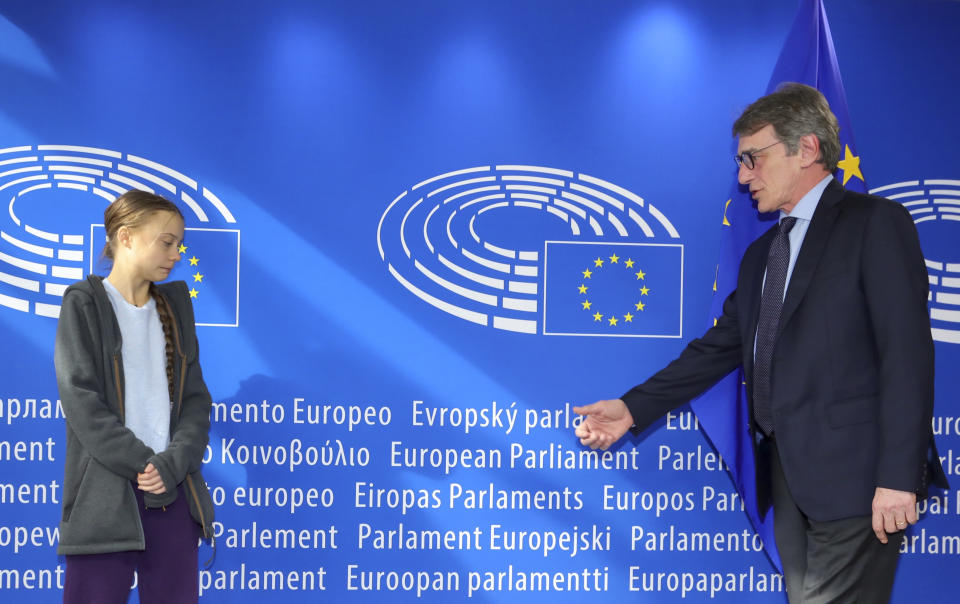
pixel 50 236
pixel 934 205
pixel 537 250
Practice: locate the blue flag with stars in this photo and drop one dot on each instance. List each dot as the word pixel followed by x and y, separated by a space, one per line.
pixel 617 290
pixel 209 263
pixel 807 57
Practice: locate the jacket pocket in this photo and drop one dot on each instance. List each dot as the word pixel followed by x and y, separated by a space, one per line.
pixel 103 512
pixel 72 483
pixel 847 412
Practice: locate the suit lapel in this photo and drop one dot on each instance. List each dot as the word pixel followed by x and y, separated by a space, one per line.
pixel 814 243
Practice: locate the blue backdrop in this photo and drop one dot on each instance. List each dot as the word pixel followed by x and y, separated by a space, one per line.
pixel 415 233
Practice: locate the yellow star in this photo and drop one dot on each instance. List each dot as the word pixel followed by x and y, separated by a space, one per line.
pixel 193 293
pixel 614 259
pixel 598 262
pixel 194 261
pixel 586 274
pixel 198 277
pixel 628 318
pixel 597 317
pixel 640 305
pixel 727 205
pixel 182 249
pixel 644 290
pixel 583 288
pixel 629 263
pixel 586 304
pixel 850 164
pixel 641 275
pixel 613 320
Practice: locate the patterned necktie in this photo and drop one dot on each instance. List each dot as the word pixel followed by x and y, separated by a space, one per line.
pixel 771 303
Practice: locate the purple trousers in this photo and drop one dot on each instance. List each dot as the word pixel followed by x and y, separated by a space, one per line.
pixel 166 570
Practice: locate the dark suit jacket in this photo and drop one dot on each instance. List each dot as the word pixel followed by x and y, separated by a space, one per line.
pixel 852 374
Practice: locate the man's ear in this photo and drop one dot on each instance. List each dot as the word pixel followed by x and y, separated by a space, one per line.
pixel 809 147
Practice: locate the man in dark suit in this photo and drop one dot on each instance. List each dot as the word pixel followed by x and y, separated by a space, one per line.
pixel 829 321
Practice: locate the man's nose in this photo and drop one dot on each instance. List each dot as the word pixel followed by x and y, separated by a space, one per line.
pixel 744 174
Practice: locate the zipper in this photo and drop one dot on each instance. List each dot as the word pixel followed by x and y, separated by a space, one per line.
pixel 183 382
pixel 116 379
pixel 183 367
pixel 196 501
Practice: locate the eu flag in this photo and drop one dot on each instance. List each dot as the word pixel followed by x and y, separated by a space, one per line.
pixel 807 57
pixel 210 264
pixel 613 289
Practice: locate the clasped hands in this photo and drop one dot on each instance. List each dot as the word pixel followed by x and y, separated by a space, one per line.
pixel 149 481
pixel 604 422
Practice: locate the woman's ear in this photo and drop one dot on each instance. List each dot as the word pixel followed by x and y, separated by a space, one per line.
pixel 124 236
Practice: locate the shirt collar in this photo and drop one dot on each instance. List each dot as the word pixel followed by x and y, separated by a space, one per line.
pixel 808 203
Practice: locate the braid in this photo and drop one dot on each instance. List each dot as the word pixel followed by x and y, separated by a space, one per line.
pixel 166 322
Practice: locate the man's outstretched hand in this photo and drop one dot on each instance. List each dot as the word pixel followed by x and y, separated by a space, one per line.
pixel 604 422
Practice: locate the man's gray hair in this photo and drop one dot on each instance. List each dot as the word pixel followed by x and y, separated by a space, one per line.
pixel 794 110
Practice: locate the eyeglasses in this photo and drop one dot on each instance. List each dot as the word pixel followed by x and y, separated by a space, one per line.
pixel 749 158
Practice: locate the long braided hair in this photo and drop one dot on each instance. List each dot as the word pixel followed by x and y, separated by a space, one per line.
pixel 131 210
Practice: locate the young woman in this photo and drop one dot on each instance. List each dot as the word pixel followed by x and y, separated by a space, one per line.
pixel 138 416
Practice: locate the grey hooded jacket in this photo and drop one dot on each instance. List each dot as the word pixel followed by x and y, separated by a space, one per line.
pixel 103 457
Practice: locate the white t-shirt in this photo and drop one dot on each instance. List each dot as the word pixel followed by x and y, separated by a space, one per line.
pixel 146 398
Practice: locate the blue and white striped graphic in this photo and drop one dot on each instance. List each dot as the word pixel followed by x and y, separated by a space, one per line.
pixel 53 194
pixel 471 242
pixel 936 202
